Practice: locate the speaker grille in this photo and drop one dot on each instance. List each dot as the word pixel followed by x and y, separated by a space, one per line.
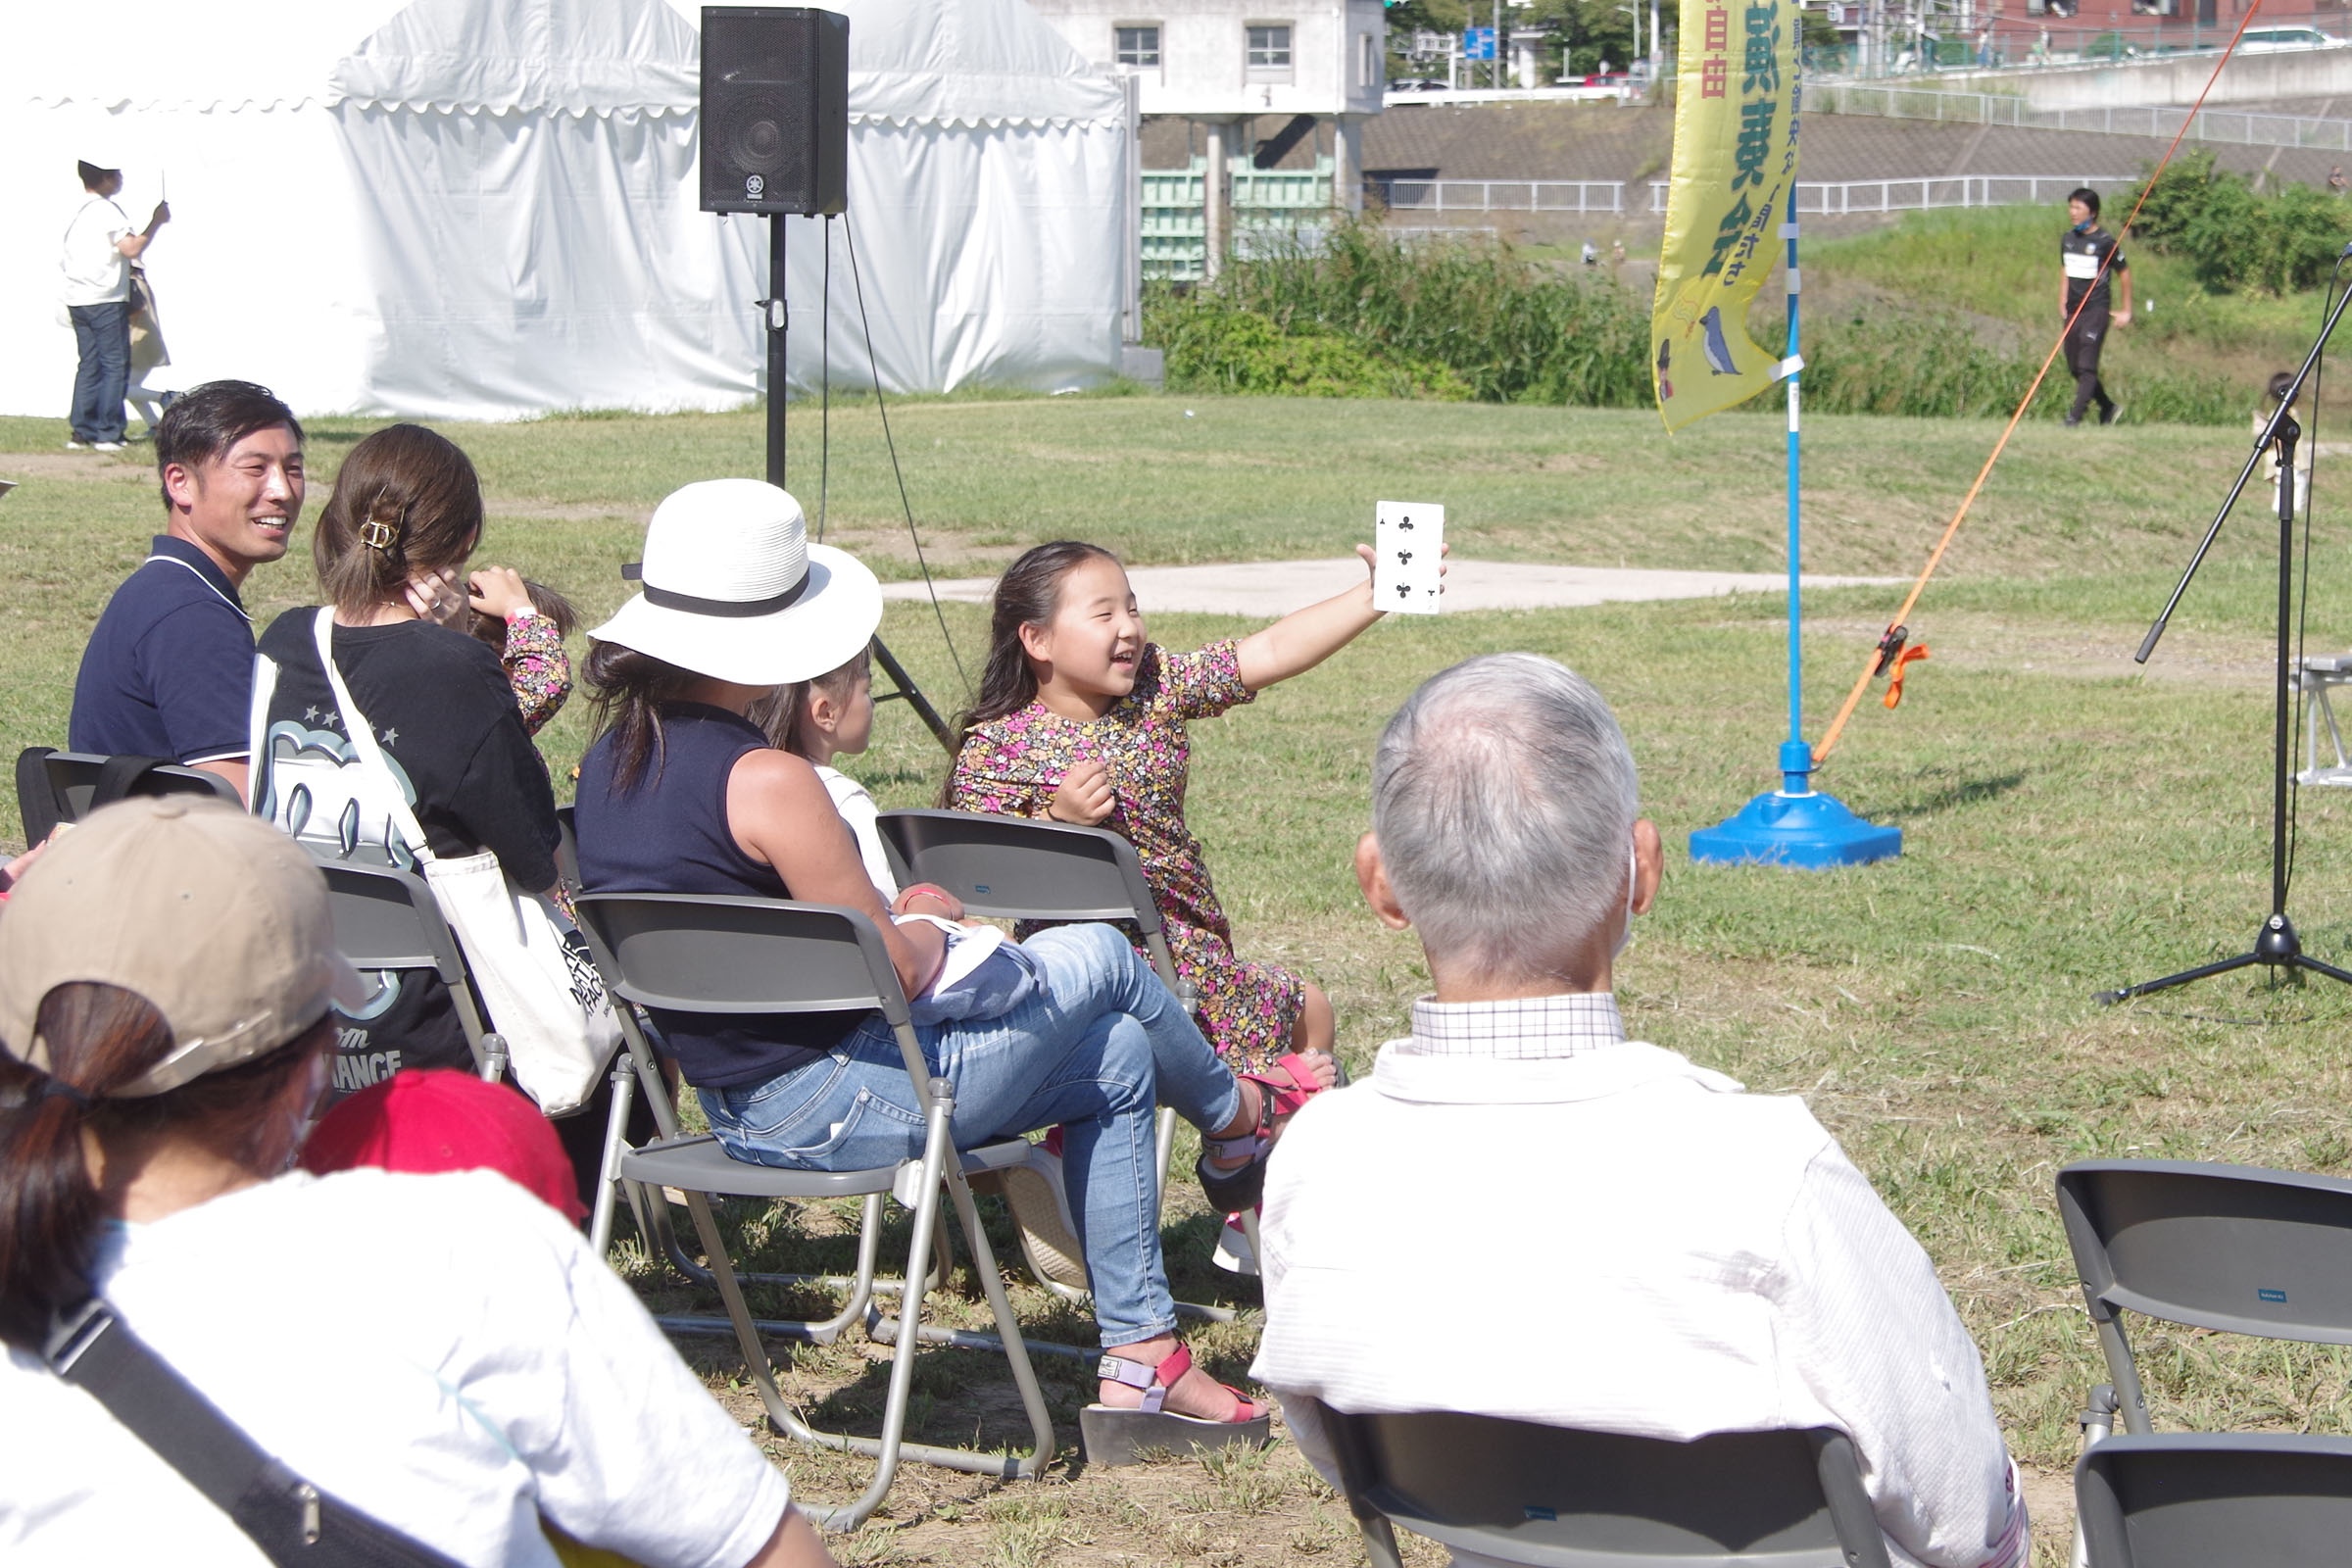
pixel 775 110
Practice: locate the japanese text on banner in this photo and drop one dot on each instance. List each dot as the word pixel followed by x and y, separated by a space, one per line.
pixel 1734 176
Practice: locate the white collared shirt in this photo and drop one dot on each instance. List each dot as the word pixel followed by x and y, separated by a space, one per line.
pixel 1693 1259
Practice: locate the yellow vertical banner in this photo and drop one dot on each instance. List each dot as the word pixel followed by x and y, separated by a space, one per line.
pixel 1736 97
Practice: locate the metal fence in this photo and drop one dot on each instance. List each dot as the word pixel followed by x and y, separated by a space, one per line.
pixel 1831 198
pixel 1498 195
pixel 2227 126
pixel 1275 202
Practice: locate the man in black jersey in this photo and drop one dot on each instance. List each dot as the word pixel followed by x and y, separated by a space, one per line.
pixel 2090 261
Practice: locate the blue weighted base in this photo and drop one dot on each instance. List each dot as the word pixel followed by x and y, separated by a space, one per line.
pixel 1807 831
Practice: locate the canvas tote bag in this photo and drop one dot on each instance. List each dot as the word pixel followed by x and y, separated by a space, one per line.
pixel 541 988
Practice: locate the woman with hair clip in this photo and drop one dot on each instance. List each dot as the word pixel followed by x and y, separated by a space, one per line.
pixel 681 791
pixel 391 550
pixel 441 1353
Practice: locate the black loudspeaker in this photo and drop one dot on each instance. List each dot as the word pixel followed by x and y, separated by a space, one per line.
pixel 775 110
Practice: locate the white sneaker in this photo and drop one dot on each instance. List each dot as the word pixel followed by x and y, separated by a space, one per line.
pixel 106 446
pixel 78 446
pixel 1040 1208
pixel 1234 1253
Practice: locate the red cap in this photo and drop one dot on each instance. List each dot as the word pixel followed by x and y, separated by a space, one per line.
pixel 446 1120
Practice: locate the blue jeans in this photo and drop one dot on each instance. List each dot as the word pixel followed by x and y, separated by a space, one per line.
pixel 1094 1049
pixel 102 334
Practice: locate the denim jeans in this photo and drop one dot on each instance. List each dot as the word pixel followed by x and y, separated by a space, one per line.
pixel 1094 1049
pixel 102 334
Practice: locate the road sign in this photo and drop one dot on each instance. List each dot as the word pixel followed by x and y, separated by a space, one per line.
pixel 1477 43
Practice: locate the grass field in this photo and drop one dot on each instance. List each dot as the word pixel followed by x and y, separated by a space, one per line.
pixel 2071 823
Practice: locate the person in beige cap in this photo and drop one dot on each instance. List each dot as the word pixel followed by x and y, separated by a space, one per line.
pixel 442 1353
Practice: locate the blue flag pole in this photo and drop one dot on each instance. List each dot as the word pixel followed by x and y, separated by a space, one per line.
pixel 1794 825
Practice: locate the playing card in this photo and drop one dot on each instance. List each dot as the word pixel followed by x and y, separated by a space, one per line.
pixel 1410 536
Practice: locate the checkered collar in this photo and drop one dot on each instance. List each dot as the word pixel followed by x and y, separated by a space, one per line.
pixel 1519 1029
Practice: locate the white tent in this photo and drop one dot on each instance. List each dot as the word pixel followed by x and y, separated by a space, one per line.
pixel 487 208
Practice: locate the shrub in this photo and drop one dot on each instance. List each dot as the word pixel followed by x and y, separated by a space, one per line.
pixel 1214 345
pixel 2235 238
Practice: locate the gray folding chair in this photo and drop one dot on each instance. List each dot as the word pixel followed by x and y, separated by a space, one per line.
pixel 387 919
pixel 1518 1493
pixel 54 787
pixel 1014 868
pixel 2233 1247
pixel 2194 1499
pixel 737 955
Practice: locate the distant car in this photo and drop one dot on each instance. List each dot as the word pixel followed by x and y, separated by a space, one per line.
pixel 1608 79
pixel 1417 84
pixel 2265 40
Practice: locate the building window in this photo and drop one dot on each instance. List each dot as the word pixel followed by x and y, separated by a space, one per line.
pixel 1135 48
pixel 1367 60
pixel 1268 56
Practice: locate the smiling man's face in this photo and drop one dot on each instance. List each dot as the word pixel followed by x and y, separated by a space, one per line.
pixel 240 509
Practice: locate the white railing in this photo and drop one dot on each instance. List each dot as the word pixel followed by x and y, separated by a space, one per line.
pixel 1498 195
pixel 2227 126
pixel 1830 198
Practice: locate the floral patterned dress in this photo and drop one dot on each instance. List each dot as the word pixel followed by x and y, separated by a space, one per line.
pixel 538 670
pixel 1012 766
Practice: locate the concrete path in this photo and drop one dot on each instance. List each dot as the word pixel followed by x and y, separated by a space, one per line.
pixel 1270 588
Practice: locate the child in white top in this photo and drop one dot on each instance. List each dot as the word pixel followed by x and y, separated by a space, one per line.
pixel 833 716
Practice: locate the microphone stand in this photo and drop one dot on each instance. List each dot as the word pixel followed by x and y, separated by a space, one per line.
pixel 2276 945
pixel 778 321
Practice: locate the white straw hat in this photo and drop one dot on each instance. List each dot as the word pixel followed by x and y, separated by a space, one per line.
pixel 734 590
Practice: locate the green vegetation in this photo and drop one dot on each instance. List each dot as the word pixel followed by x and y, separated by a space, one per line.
pixel 2072 821
pixel 2236 238
pixel 1457 317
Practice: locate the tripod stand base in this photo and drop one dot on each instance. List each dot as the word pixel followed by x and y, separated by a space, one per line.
pixel 1811 832
pixel 2275 947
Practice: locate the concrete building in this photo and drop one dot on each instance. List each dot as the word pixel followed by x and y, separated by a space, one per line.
pixel 1218 62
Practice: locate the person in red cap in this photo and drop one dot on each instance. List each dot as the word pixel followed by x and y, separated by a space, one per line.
pixel 423 1122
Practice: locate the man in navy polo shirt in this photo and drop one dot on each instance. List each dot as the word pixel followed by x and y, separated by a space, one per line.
pixel 168 669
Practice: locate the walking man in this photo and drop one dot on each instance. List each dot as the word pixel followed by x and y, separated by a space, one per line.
pixel 100 246
pixel 2089 263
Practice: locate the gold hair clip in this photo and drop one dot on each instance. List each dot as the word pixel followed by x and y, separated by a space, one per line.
pixel 375 534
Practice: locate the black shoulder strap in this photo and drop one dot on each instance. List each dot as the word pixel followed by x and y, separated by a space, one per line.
pixel 119 777
pixel 292 1521
pixel 36 801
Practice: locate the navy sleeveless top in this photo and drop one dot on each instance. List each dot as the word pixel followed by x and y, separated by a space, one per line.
pixel 668 834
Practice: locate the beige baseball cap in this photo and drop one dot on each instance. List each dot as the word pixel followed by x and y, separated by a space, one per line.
pixel 214 917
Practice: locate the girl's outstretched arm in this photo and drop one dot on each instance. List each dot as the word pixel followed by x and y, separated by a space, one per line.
pixel 1303 639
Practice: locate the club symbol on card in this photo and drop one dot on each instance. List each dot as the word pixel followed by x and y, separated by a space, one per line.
pixel 1406 523
pixel 1402 590
pixel 1405 558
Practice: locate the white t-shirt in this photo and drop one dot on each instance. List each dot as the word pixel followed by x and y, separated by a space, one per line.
pixel 96 272
pixel 442 1353
pixel 858 809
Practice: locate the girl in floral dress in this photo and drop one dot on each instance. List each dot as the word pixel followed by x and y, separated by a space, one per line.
pixel 1080 720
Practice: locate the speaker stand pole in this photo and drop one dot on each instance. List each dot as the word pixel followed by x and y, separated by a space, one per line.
pixel 778 325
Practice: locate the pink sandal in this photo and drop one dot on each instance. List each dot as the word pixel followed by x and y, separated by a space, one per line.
pixel 1239 1187
pixel 1113 1435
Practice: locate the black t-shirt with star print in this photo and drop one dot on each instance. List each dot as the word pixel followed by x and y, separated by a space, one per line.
pixel 449 727
pixel 453 736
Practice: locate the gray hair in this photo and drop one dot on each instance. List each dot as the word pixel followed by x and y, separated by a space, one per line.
pixel 1504 797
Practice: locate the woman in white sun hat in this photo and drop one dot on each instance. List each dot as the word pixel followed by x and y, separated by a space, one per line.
pixel 682 793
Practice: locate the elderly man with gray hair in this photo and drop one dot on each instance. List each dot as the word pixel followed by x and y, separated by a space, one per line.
pixel 1697 1259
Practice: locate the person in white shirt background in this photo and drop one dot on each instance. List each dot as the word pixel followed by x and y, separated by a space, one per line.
pixel 99 247
pixel 1702 1260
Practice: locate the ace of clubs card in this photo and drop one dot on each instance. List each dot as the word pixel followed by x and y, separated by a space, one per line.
pixel 1410 539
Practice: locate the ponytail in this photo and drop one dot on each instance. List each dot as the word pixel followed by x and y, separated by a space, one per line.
pixel 99 1038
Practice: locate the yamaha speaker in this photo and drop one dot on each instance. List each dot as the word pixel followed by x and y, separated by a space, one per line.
pixel 775 110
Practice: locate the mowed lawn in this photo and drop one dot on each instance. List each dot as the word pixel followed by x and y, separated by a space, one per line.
pixel 2071 823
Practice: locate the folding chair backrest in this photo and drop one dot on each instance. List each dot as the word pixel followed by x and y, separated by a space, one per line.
pixel 1009 867
pixel 1521 1493
pixel 73 779
pixel 2195 1499
pixel 567 848
pixel 696 953
pixel 2233 1247
pixel 387 919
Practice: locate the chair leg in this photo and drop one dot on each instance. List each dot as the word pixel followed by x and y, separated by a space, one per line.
pixel 1380 1541
pixel 1165 1138
pixel 2098 1423
pixel 616 1127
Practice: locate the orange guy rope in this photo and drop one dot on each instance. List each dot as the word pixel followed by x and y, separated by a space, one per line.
pixel 1870 666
